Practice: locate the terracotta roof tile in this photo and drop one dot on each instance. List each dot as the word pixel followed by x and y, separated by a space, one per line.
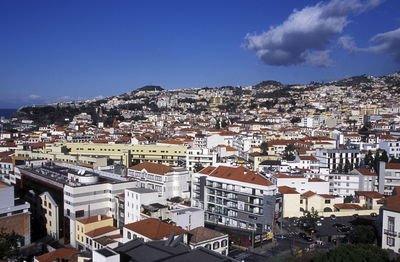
pixel 370 194
pixel 154 168
pixel 101 231
pixel 59 254
pixel 347 206
pixel 240 174
pixel 154 229
pixel 366 172
pixel 94 219
pixel 200 234
pixel 287 190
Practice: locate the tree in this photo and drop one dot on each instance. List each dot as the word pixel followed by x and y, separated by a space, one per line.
pixel 224 123
pixel 264 148
pixel 309 220
pixel 348 199
pixel 353 253
pixel 197 167
pixel 369 159
pixel 362 234
pixel 289 152
pixel 9 244
pixel 346 166
pixel 217 125
pixel 340 168
pixel 384 157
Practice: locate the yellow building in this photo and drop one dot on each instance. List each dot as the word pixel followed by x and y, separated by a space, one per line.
pixel 172 155
pixel 89 224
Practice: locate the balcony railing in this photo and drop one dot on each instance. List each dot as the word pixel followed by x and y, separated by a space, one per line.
pixel 390 232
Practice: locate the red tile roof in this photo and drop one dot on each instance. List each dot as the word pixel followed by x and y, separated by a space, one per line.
pixel 370 194
pixel 308 194
pixel 101 231
pixel 62 253
pixel 154 168
pixel 240 174
pixel 200 234
pixel 287 190
pixel 154 229
pixel 316 180
pixel 347 206
pixel 94 219
pixel 311 158
pixel 395 166
pixel 366 172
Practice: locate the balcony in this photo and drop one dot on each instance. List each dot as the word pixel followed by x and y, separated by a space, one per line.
pixel 390 233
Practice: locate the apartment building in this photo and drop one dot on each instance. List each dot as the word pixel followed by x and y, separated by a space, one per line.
pixel 390 232
pixel 169 181
pixel 235 197
pixel 301 183
pixel 244 142
pixel 391 147
pixel 14 214
pixel 135 198
pixel 389 177
pixel 200 156
pixel 335 160
pixel 51 213
pixel 173 155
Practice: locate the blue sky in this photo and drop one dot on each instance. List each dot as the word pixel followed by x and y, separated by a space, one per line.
pixel 67 50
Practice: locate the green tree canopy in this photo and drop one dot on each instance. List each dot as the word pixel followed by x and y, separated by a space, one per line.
pixel 197 167
pixel 9 244
pixel 362 234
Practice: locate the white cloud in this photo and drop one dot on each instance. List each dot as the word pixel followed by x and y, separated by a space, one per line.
pixel 305 35
pixel 383 43
pixel 33 96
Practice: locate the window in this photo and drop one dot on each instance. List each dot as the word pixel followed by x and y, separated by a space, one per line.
pixel 215 245
pixel 129 235
pixel 327 201
pixel 391 224
pixel 390 241
pixel 224 243
pixel 79 213
pixel 49 213
pixel 208 246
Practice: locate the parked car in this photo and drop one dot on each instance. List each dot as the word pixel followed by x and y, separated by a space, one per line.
pixel 374 214
pixel 355 215
pixel 319 223
pixel 280 236
pixel 333 217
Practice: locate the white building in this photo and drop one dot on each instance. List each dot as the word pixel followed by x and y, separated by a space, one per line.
pixel 391 222
pixel 208 238
pixel 200 156
pixel 135 198
pixel 301 183
pixel 51 214
pixel 187 218
pixel 235 197
pixel 170 181
pixel 391 147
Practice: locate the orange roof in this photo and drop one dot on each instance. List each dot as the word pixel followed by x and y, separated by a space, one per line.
pixel 62 253
pixel 229 148
pixel 311 158
pixel 154 229
pixel 315 179
pixel 240 174
pixel 370 194
pixel 308 194
pixel 172 142
pixel 395 166
pixel 326 196
pixel 393 202
pixel 154 168
pixel 366 172
pixel 287 190
pixel 286 176
pixel 207 170
pixel 101 231
pixel 94 219
pixel 347 206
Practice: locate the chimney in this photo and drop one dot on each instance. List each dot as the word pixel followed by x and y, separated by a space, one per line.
pixel 98 217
